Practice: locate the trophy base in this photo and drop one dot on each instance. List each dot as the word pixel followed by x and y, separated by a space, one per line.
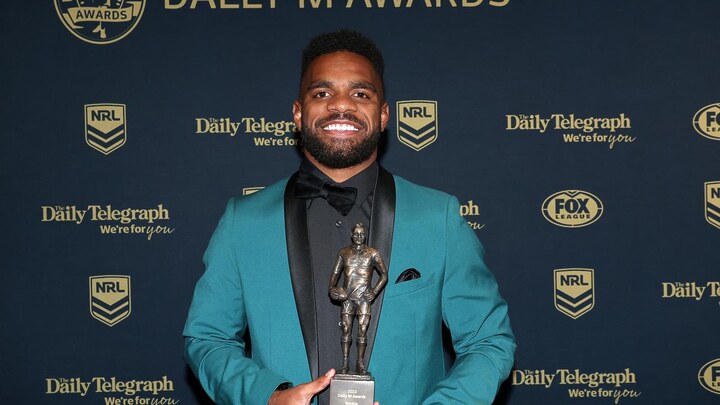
pixel 352 389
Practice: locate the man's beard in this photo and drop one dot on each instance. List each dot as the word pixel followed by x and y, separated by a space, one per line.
pixel 339 153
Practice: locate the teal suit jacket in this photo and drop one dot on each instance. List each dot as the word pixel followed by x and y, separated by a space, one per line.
pixel 258 276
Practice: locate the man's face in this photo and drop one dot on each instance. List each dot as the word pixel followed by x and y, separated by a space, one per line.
pixel 341 111
pixel 358 236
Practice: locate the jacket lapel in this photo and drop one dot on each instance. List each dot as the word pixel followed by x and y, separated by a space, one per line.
pixel 298 249
pixel 382 223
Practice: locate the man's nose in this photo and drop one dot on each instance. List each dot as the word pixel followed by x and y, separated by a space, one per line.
pixel 342 103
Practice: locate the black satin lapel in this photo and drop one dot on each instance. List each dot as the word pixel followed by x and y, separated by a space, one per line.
pixel 382 223
pixel 298 249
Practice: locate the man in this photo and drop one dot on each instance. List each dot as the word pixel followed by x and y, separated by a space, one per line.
pixel 268 261
pixel 356 263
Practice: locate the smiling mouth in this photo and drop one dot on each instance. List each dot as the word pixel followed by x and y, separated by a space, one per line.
pixel 340 127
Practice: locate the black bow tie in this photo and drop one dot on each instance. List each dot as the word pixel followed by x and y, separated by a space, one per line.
pixel 307 185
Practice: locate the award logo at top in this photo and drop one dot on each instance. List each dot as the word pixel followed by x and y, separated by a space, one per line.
pixel 100 22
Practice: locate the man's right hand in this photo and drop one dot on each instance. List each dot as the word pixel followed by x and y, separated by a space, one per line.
pixel 303 393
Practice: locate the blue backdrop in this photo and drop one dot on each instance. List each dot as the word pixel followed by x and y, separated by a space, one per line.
pixel 581 137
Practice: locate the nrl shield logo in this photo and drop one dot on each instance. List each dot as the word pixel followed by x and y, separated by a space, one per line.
pixel 712 203
pixel 105 128
pixel 574 291
pixel 417 123
pixel 100 21
pixel 110 298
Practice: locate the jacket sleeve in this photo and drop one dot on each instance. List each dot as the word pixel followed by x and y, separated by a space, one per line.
pixel 477 318
pixel 216 323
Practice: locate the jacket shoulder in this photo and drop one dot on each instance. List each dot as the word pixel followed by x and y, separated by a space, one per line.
pixel 262 201
pixel 422 195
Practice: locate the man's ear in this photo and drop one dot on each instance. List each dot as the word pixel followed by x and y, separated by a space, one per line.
pixel 384 116
pixel 297 114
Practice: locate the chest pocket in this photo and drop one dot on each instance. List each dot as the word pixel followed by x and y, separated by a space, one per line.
pixel 410 286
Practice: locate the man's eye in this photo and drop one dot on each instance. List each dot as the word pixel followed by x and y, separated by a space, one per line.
pixel 362 95
pixel 321 94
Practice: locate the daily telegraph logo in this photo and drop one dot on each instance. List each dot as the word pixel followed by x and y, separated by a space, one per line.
pixel 712 203
pixel 110 298
pixel 575 129
pixel 572 208
pixel 100 21
pixel 105 127
pixel 417 123
pixel 574 291
pixel 113 221
pixel 582 384
pixel 471 210
pixel 691 289
pixel 265 132
pixel 707 121
pixel 116 391
pixel 709 376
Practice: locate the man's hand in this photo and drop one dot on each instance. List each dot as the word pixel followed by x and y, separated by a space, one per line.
pixel 303 393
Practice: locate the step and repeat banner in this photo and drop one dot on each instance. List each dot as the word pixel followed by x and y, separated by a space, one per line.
pixel 582 139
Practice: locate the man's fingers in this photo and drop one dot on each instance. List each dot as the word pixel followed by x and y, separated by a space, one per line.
pixel 303 393
pixel 319 384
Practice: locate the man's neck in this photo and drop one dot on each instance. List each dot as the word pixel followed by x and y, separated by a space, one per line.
pixel 343 174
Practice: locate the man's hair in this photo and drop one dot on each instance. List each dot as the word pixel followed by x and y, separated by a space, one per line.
pixel 343 40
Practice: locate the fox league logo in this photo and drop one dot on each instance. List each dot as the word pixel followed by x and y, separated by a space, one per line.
pixel 100 21
pixel 574 291
pixel 110 298
pixel 707 121
pixel 709 376
pixel 572 208
pixel 417 123
pixel 105 127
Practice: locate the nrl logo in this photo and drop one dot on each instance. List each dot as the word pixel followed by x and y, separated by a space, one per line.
pixel 574 291
pixel 100 21
pixel 417 123
pixel 712 203
pixel 105 126
pixel 110 298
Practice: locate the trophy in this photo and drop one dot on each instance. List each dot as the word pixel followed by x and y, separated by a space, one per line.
pixel 356 263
